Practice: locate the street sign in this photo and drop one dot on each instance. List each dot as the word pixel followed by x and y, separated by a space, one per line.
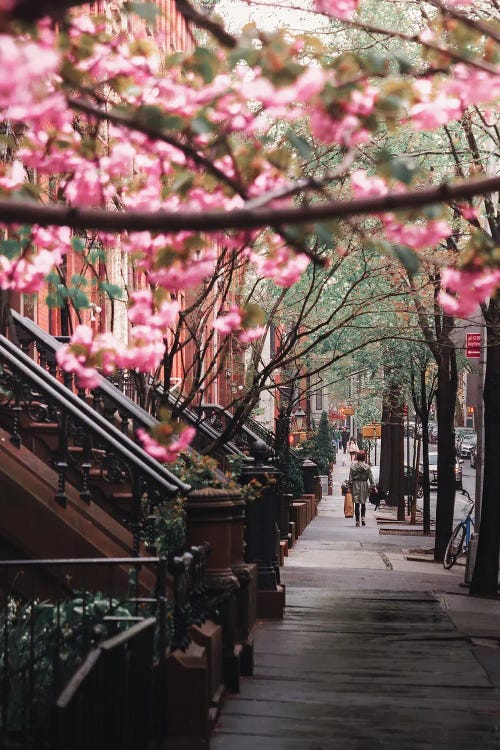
pixel 371 430
pixel 473 345
pixel 347 411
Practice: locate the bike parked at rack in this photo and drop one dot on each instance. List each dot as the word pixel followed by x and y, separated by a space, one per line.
pixel 460 537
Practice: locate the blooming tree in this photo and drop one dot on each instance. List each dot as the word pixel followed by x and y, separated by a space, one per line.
pixel 169 156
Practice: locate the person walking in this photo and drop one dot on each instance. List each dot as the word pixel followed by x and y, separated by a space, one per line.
pixel 352 448
pixel 344 436
pixel 360 482
pixel 337 437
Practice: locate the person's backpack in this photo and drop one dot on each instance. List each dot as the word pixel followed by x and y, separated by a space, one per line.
pixel 360 473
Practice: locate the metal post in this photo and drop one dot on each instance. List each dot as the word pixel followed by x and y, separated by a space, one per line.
pixel 407 436
pixel 479 425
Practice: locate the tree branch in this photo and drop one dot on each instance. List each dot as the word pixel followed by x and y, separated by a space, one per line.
pixel 13 212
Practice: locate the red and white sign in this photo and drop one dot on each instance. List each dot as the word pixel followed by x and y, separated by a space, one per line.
pixel 472 345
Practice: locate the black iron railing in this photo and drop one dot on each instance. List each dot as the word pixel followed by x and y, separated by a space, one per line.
pixel 116 397
pixel 220 419
pixel 53 612
pixel 89 449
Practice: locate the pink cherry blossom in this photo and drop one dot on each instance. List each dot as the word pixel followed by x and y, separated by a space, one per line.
pixel 252 334
pixel 336 8
pixel 417 236
pixel 164 453
pixel 282 265
pixel 364 186
pixel 226 324
pixel 462 291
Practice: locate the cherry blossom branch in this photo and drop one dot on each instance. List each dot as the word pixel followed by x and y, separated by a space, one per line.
pixel 190 13
pixel 307 183
pixel 132 123
pixel 416 39
pixel 13 212
pixel 472 22
pixel 413 38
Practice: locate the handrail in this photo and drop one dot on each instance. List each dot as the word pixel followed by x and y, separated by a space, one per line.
pixel 148 487
pixel 250 427
pixel 120 441
pixel 17 360
pixel 114 395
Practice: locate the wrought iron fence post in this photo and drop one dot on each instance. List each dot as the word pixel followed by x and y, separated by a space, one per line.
pixel 262 532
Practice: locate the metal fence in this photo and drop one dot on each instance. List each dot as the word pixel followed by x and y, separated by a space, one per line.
pixel 55 613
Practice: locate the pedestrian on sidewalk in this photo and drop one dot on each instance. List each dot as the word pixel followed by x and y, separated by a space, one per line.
pixel 337 437
pixel 344 436
pixel 352 448
pixel 360 481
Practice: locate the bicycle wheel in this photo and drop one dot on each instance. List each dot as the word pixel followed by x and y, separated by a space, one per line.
pixel 454 546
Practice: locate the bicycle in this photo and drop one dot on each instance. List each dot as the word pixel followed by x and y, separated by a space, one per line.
pixel 460 537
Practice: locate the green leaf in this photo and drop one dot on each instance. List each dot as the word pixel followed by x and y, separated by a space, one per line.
pixel 204 62
pixel 433 211
pixel 78 244
pixel 403 169
pixel 201 125
pixel 55 299
pixel 10 248
pixel 79 298
pixel 325 233
pixel 112 290
pixel 96 254
pixel 147 11
pixel 253 316
pixel 408 258
pixel 300 144
pixel 374 62
pixel 78 280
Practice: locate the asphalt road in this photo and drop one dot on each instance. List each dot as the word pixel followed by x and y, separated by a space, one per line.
pixel 468 482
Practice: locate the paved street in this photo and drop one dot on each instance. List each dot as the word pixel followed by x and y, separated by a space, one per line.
pixel 375 650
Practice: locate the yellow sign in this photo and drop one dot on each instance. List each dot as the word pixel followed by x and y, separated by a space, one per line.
pixel 347 411
pixel 371 430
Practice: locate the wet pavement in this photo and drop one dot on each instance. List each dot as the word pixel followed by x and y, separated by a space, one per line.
pixel 378 649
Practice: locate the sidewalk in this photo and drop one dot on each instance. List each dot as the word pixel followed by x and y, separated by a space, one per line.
pixel 375 650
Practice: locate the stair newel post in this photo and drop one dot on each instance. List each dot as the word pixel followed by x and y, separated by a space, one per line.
pixel 210 514
pixel 262 531
pixel 16 410
pixel 137 492
pixel 180 569
pixel 309 473
pixel 124 422
pixel 50 363
pixel 68 380
pixel 85 494
pixel 62 453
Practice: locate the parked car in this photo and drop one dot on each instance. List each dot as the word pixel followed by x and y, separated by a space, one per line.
pixel 433 473
pixel 462 432
pixel 466 444
pixel 433 433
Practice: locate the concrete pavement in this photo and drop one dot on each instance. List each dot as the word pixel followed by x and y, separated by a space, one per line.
pixel 378 648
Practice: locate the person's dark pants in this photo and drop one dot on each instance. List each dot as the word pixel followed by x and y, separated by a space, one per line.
pixel 356 510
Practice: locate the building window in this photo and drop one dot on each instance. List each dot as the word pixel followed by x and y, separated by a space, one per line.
pixel 319 399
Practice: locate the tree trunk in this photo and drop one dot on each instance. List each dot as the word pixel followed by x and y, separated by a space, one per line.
pixel 446 397
pixel 485 577
pixel 385 446
pixel 391 451
pixel 4 310
pixel 424 421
